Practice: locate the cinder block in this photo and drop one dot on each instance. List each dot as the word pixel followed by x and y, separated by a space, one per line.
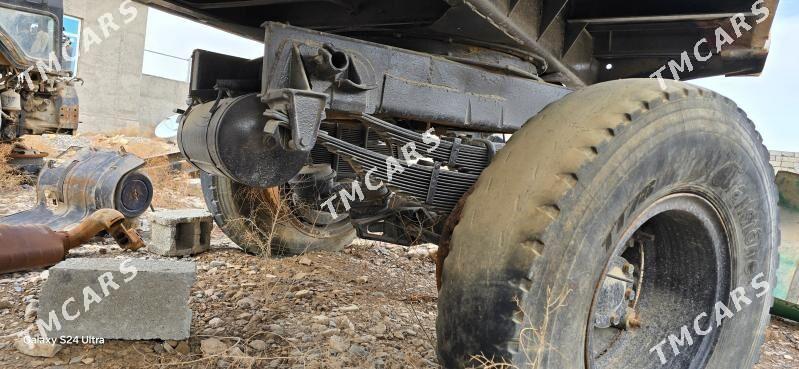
pixel 180 232
pixel 129 299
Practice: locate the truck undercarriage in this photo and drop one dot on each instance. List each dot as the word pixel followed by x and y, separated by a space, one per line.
pixel 38 94
pixel 389 119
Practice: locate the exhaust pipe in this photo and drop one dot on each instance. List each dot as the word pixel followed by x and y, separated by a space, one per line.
pixel 36 246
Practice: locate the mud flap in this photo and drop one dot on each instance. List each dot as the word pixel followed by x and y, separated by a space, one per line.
pixel 81 181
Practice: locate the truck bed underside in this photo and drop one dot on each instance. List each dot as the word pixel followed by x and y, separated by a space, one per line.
pixel 583 41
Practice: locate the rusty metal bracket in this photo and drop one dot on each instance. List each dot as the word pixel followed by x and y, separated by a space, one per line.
pixel 305 111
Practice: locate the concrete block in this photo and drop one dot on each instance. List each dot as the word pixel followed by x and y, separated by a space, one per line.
pixel 180 232
pixel 129 299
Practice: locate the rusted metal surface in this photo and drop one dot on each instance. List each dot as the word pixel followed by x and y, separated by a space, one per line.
pixel 108 220
pixel 446 235
pixel 81 181
pixel 20 151
pixel 26 247
pixel 26 160
pixel 29 247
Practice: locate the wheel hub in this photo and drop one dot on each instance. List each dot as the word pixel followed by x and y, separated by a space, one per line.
pixel 672 263
pixel 615 306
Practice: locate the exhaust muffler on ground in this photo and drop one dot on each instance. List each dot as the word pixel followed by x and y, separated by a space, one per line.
pixel 24 247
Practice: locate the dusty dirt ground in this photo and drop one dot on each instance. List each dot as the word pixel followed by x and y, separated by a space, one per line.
pixel 371 306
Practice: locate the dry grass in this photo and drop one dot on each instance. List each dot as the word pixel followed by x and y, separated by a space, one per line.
pixel 532 337
pixel 9 178
pixel 171 187
pixel 268 211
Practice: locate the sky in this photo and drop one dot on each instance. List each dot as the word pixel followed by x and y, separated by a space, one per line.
pixel 184 37
pixel 771 100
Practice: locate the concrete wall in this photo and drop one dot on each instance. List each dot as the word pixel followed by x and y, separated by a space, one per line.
pixel 159 98
pixel 116 96
pixel 784 161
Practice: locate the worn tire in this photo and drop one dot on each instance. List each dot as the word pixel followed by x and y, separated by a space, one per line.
pixel 565 187
pixel 245 214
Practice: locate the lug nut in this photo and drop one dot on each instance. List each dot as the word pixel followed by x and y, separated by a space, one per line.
pixel 629 268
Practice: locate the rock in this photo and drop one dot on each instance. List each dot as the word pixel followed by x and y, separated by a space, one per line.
pixel 338 344
pixel 358 350
pixel 246 303
pixel 183 348
pixel 158 348
pixel 243 316
pixel 787 357
pixel 417 252
pixel 87 360
pixel 258 345
pixel 321 319
pixel 379 329
pixel 305 261
pixel 30 311
pixel 277 329
pixel 168 348
pixel 362 279
pixel 303 293
pixel 75 360
pixel 5 304
pixel 215 322
pixel 349 308
pixel 34 348
pixel 216 264
pixel 236 352
pixel 344 323
pixel 212 346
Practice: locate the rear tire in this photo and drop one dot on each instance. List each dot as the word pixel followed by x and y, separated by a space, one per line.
pixel 247 216
pixel 678 176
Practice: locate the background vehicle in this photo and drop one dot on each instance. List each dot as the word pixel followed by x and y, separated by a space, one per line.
pixel 619 210
pixel 37 92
